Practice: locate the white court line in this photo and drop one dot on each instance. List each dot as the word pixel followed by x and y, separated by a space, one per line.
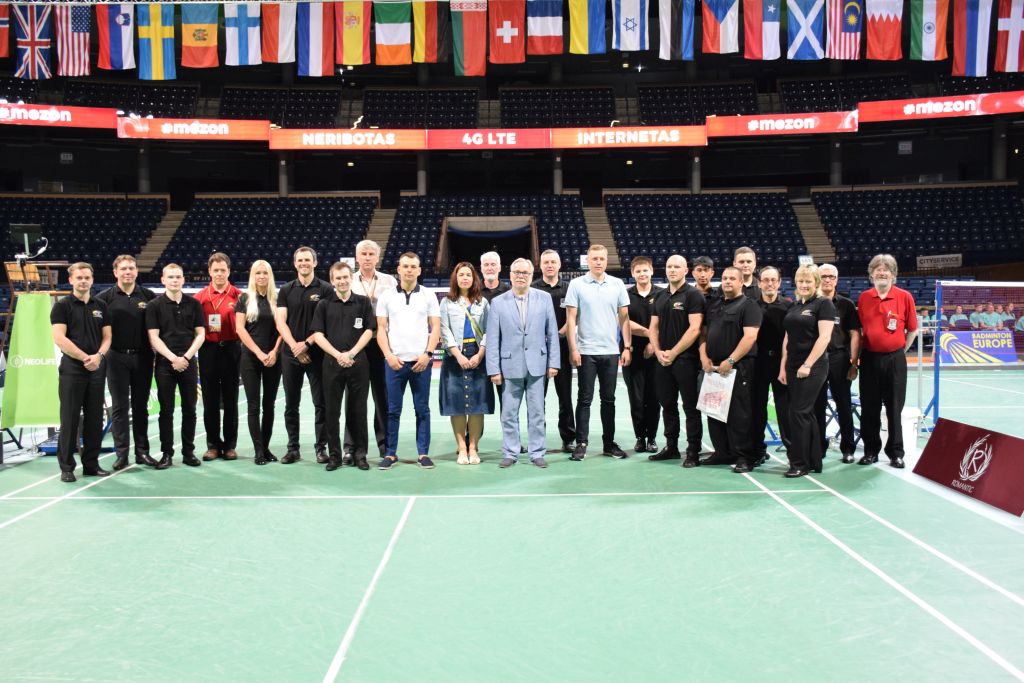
pixel 54 501
pixel 982 386
pixel 906 592
pixel 350 633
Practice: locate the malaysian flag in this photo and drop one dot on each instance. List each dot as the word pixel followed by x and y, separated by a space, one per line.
pixel 845 19
pixel 73 25
pixel 32 38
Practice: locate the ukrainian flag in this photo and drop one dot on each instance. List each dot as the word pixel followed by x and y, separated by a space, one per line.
pixel 155 23
pixel 586 27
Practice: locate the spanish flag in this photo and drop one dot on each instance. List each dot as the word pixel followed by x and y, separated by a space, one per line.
pixel 586 27
pixel 352 32
pixel 432 32
pixel 155 23
pixel 199 35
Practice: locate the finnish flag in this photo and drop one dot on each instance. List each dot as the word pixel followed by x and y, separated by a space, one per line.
pixel 242 34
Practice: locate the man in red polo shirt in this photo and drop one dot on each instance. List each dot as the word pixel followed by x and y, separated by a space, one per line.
pixel 219 359
pixel 888 321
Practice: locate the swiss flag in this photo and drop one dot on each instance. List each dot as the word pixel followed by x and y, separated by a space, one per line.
pixel 507 27
pixel 1009 45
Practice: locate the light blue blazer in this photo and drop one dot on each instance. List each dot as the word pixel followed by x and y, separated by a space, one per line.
pixel 514 352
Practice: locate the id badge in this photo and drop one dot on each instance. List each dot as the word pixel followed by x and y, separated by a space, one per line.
pixel 358 323
pixel 213 322
pixel 891 325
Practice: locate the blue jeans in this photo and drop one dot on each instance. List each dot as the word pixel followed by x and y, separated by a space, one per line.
pixel 396 380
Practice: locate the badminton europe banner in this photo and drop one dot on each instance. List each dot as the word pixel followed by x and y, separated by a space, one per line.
pixel 31 382
pixel 977 348
pixel 979 463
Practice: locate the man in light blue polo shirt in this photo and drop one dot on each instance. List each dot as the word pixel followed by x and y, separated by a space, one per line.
pixel 989 319
pixel 597 308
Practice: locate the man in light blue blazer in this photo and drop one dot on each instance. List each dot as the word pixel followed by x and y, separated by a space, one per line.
pixel 522 348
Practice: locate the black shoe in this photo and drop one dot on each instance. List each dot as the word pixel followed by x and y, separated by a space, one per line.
pixel 640 446
pixel 144 459
pixel 794 472
pixel 191 460
pixel 716 459
pixel 666 453
pixel 290 457
pixel 761 459
pixel 897 462
pixel 848 458
pixel 652 446
pixel 614 451
pixel 691 461
pixel 567 447
pixel 98 472
pixel 260 459
pixel 816 470
pixel 362 464
pixel 333 464
pixel 164 463
pixel 868 460
pixel 346 459
pixel 269 456
pixel 120 462
pixel 579 452
pixel 740 467
pixel 321 456
pixel 68 477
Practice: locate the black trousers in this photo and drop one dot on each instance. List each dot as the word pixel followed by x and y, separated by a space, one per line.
pixel 766 376
pixel 129 378
pixel 731 439
pixel 602 369
pixel 644 407
pixel 218 376
pixel 292 373
pixel 261 384
pixel 836 380
pixel 883 382
pixel 355 381
pixel 804 449
pixel 563 390
pixel 379 391
pixel 169 380
pixel 682 378
pixel 81 394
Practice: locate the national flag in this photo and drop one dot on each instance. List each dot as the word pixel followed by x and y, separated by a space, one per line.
pixel 469 37
pixel 806 27
pixel 630 25
pixel 885 26
pixel 761 29
pixel 352 21
pixel 845 18
pixel 928 29
pixel 242 34
pixel 507 29
pixel 278 32
pixel 5 30
pixel 315 22
pixel 117 36
pixel 972 20
pixel 586 27
pixel 675 20
pixel 432 32
pixel 73 23
pixel 199 35
pixel 393 31
pixel 1009 25
pixel 156 41
pixel 544 27
pixel 32 31
pixel 721 26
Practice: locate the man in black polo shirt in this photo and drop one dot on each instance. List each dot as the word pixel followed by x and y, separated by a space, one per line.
pixel 639 374
pixel 675 330
pixel 766 364
pixel 130 361
pixel 81 330
pixel 343 324
pixel 176 331
pixel 490 274
pixel 703 271
pixel 300 357
pixel 745 259
pixel 554 285
pixel 730 345
pixel 843 353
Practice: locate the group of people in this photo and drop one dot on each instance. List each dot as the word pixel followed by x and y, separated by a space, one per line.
pixel 988 316
pixel 365 332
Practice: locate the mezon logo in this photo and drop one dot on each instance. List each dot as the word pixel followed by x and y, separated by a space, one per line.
pixel 20 361
pixel 52 115
pixel 973 465
pixel 940 107
pixel 195 128
pixel 763 125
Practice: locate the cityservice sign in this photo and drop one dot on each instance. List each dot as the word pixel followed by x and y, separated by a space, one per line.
pixel 58 117
pixel 986 104
pixel 979 463
pixel 782 124
pixel 192 129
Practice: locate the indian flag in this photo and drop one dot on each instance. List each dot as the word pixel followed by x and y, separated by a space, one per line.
pixel 394 32
pixel 928 29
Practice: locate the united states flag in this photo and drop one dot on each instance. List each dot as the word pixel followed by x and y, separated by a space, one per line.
pixel 73 40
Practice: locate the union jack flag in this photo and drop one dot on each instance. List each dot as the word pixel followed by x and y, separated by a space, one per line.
pixel 32 33
pixel 73 25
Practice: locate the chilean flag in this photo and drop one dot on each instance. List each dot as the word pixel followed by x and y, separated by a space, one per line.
pixel 278 32
pixel 721 26
pixel 117 36
pixel 761 29
pixel 1009 26
pixel 544 27
pixel 315 21
pixel 972 20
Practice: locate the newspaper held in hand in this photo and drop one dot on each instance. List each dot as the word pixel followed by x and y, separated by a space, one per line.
pixel 716 395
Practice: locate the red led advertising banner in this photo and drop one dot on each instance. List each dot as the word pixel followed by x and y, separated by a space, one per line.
pixel 340 138
pixel 62 117
pixel 192 129
pixel 782 124
pixel 504 138
pixel 942 107
pixel 628 136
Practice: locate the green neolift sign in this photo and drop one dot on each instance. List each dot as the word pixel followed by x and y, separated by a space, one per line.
pixel 30 391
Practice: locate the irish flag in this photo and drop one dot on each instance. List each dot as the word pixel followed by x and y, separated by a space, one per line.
pixel 928 30
pixel 394 32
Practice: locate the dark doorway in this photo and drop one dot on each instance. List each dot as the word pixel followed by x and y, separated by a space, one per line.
pixel 468 246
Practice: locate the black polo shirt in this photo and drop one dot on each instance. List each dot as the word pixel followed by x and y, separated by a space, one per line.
pixel 84 320
pixel 343 322
pixel 772 333
pixel 846 320
pixel 491 293
pixel 725 321
pixel 641 307
pixel 753 290
pixel 301 302
pixel 710 295
pixel 801 324
pixel 127 317
pixel 673 310
pixel 263 330
pixel 176 322
pixel 557 292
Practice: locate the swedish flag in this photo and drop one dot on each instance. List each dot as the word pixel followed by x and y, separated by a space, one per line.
pixel 155 23
pixel 586 27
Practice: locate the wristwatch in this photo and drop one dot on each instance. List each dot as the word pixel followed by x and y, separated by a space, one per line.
pixel 628 348
pixel 730 361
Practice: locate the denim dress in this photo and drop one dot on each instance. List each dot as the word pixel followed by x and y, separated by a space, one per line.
pixel 464 392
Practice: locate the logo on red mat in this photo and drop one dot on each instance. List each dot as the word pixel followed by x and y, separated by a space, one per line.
pixel 975 462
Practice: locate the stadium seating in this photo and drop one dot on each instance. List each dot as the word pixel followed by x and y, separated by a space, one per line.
pixel 832 94
pixel 421 108
pixel 874 88
pixel 254 104
pixel 659 225
pixel 998 82
pixel 691 104
pixel 556 107
pixel 18 90
pixel 985 223
pixel 171 101
pixel 312 108
pixel 268 228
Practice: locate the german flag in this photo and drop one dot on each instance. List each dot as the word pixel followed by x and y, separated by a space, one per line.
pixel 432 29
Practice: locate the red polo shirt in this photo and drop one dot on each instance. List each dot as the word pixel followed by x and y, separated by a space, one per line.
pixel 875 314
pixel 222 304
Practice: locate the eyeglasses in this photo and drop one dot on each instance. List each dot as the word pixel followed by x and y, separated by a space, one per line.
pixel 522 273
pixel 829 277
